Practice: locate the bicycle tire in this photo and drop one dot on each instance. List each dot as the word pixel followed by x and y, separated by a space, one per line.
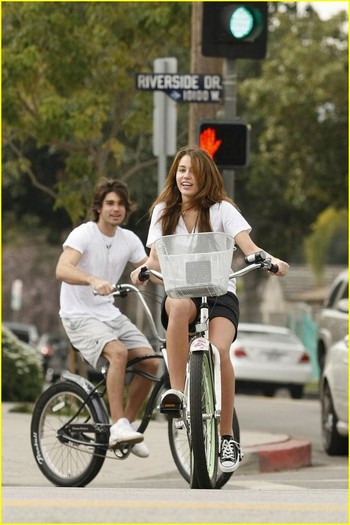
pixel 203 423
pixel 180 450
pixel 64 463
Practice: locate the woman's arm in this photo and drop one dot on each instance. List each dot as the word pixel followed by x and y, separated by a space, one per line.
pixel 152 263
pixel 248 246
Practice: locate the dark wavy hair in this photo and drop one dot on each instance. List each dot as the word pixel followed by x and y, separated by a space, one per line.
pixel 105 186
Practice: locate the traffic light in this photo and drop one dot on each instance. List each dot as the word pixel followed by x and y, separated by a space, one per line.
pixel 234 29
pixel 226 142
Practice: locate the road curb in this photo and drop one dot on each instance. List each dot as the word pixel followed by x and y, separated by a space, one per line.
pixel 286 455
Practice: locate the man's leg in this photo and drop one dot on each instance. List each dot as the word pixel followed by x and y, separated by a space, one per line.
pixel 116 354
pixel 140 386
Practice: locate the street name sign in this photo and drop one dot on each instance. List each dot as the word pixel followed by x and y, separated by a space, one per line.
pixel 199 88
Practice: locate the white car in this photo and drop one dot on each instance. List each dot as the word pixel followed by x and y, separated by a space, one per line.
pixel 333 323
pixel 334 399
pixel 270 357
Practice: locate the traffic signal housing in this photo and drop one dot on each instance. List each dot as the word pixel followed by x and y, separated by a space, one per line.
pixel 235 29
pixel 227 142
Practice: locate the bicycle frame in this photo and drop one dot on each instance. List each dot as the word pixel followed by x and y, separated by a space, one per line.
pixel 67 432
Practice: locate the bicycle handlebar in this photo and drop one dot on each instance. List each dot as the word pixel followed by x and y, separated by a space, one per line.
pixel 145 274
pixel 260 257
pixel 254 261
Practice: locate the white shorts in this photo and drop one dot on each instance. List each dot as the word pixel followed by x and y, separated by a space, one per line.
pixel 89 336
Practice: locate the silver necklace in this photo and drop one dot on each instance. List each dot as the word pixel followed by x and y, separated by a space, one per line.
pixel 108 241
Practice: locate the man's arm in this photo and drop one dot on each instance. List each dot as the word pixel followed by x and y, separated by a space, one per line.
pixel 67 271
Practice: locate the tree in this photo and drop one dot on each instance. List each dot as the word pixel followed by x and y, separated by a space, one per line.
pixel 296 103
pixel 327 242
pixel 71 112
pixel 69 91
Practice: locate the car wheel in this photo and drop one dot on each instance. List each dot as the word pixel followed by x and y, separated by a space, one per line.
pixel 296 391
pixel 333 443
pixel 269 391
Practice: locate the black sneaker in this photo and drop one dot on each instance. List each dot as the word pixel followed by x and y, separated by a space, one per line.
pixel 230 454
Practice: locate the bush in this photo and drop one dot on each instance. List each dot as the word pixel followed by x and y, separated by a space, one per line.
pixel 22 374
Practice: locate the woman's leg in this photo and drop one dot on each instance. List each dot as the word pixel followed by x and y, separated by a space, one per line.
pixel 222 333
pixel 181 312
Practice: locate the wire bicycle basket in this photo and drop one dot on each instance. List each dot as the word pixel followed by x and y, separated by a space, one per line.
pixel 196 264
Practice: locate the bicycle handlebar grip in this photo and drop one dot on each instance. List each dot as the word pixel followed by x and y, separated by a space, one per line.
pixel 274 268
pixel 143 276
pixel 255 257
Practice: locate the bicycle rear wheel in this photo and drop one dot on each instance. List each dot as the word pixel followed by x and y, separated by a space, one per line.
pixel 68 458
pixel 203 423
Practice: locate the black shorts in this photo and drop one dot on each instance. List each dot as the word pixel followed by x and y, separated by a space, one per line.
pixel 223 306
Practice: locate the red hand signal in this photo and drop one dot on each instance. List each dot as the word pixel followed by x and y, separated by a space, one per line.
pixel 208 142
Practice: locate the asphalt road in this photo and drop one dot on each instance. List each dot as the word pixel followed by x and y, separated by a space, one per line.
pixel 152 491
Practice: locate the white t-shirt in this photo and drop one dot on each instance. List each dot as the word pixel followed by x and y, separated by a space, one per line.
pixel 103 262
pixel 224 217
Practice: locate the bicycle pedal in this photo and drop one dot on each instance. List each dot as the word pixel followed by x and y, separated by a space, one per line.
pixel 170 409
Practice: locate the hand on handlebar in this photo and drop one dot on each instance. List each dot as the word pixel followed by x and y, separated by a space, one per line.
pixel 273 265
pixel 138 276
pixel 101 287
pixel 281 267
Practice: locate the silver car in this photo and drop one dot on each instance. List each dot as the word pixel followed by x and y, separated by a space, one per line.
pixel 334 399
pixel 270 357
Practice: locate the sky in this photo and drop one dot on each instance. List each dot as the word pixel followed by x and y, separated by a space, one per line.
pixel 328 9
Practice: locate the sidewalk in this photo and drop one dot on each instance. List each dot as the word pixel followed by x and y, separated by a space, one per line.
pixel 264 452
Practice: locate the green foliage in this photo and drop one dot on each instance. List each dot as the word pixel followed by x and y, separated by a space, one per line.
pixel 296 103
pixel 71 112
pixel 330 229
pixel 22 375
pixel 69 87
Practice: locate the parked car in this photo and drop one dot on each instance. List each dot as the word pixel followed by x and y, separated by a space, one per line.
pixel 53 349
pixel 334 316
pixel 334 399
pixel 270 357
pixel 28 333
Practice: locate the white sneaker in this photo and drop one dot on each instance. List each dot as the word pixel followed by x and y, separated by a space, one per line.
pixel 122 432
pixel 140 449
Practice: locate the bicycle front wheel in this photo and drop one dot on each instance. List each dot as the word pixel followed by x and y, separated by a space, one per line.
pixel 180 449
pixel 203 423
pixel 68 457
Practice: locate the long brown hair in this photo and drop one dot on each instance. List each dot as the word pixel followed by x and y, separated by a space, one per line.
pixel 211 190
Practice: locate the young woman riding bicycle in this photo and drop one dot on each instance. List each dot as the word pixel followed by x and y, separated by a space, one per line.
pixel 194 200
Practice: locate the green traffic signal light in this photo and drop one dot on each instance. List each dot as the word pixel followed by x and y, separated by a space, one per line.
pixel 241 23
pixel 245 23
pixel 235 29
